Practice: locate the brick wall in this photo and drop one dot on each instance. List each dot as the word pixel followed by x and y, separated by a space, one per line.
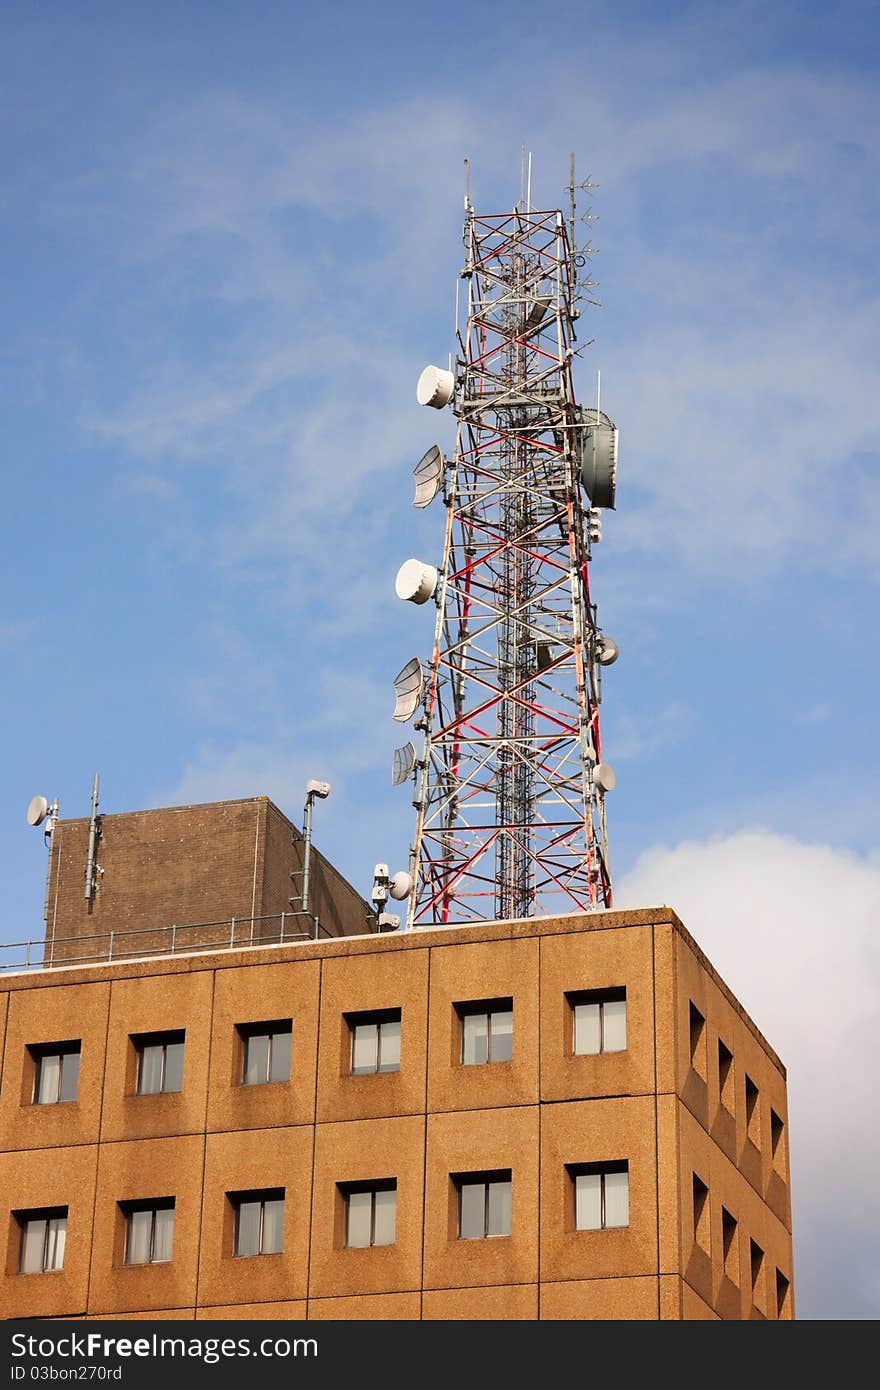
pixel 196 867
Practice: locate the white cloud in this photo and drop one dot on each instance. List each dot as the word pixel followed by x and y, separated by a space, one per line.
pixel 792 927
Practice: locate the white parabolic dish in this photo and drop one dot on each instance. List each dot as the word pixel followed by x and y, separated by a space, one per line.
pixel 435 387
pixel 415 581
pixel 603 776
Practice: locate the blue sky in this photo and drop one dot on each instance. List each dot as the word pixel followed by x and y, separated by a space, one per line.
pixel 231 238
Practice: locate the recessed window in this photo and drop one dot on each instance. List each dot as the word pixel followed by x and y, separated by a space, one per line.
pixel 725 1077
pixel 149 1231
pixel 753 1112
pixel 43 1237
pixel 370 1213
pixel 265 1052
pixel 375 1042
pixel 598 1021
pixel 756 1261
pixel 484 1204
pixel 486 1031
pixel 777 1147
pixel 783 1303
pixel 159 1062
pixel 259 1222
pixel 730 1245
pixel 56 1072
pixel 701 1214
pixel 601 1195
pixel 697 1028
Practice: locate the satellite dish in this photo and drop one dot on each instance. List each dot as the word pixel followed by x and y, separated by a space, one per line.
pixel 37 811
pixel 416 581
pixel 543 655
pixel 428 472
pixel 607 651
pixel 598 457
pixel 408 686
pixel 604 778
pixel 400 885
pixel 537 311
pixel 403 760
pixel 435 387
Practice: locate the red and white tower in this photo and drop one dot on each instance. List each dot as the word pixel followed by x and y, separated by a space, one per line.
pixel 510 782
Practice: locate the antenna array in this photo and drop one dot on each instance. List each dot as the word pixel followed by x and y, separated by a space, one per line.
pixel 509 788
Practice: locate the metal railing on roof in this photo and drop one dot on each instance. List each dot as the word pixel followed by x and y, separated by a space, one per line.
pixel 229 934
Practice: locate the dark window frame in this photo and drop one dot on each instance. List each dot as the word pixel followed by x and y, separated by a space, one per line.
pixel 726 1078
pixel 162 1039
pixel 600 1169
pixel 783 1290
pixel 136 1207
pixel 613 995
pixel 261 1196
pixel 374 1018
pixel 777 1141
pixel 485 1008
pixel 45 1215
pixel 484 1179
pixel 271 1029
pixel 702 1214
pixel 372 1186
pixel 730 1246
pixel 40 1052
pixel 697 1039
pixel 753 1111
pixel 757 1266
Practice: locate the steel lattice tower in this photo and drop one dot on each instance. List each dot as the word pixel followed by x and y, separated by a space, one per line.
pixel 510 783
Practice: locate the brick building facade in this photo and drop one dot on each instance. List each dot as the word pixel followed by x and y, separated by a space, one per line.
pixel 567 1118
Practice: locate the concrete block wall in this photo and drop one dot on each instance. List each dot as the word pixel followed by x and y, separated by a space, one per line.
pixel 657 1105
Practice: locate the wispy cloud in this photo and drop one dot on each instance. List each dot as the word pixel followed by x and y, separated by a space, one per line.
pixel 630 735
pixel 744 407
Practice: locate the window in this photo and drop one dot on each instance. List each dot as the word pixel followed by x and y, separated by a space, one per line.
pixel 160 1062
pixel 486 1031
pixel 43 1236
pixel 483 1204
pixel 370 1213
pixel 149 1231
pixel 266 1052
pixel 598 1021
pixel 375 1042
pixel 753 1113
pixel 783 1307
pixel 730 1245
pixel 259 1222
pixel 777 1147
pixel 697 1024
pixel 56 1072
pixel 701 1214
pixel 725 1077
pixel 756 1261
pixel 601 1195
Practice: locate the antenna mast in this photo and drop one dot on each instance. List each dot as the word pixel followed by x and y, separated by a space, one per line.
pixel 510 783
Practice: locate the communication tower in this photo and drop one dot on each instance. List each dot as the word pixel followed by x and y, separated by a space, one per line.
pixel 510 783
